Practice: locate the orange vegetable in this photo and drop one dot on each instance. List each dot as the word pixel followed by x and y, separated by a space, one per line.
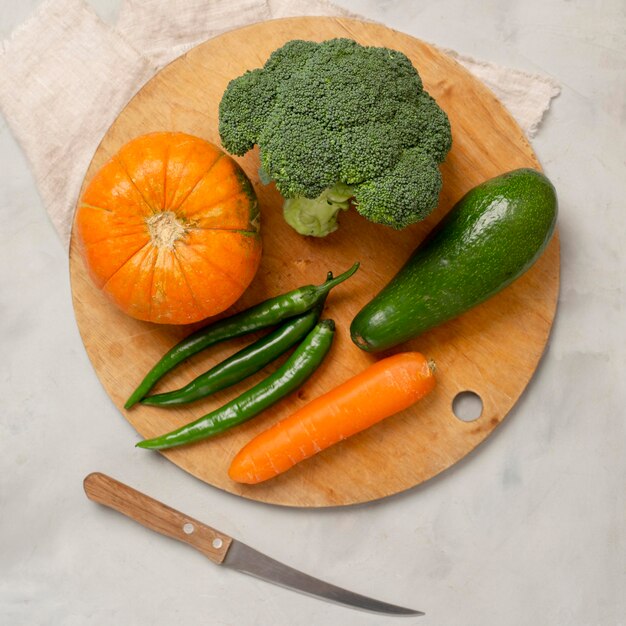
pixel 384 388
pixel 169 229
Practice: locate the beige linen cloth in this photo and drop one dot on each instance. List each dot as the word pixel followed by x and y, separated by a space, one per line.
pixel 65 75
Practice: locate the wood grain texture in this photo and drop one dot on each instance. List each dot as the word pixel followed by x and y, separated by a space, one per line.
pixel 492 350
pixel 157 516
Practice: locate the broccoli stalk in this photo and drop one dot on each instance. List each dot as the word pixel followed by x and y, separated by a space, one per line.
pixel 317 217
pixel 338 125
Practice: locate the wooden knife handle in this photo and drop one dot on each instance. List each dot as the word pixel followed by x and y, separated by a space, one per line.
pixel 156 516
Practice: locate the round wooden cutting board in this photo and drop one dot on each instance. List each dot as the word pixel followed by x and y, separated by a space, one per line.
pixel 492 350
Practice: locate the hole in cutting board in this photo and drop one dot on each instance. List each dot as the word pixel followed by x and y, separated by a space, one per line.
pixel 188 528
pixel 467 406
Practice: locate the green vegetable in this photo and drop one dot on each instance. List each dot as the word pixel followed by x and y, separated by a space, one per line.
pixel 336 121
pixel 242 364
pixel 267 313
pixel 489 238
pixel 317 217
pixel 292 374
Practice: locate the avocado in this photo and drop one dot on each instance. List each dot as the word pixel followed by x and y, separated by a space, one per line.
pixel 489 238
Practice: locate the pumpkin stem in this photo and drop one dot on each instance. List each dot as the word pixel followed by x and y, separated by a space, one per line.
pixel 165 229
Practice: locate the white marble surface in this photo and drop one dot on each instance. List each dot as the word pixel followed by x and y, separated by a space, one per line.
pixel 529 529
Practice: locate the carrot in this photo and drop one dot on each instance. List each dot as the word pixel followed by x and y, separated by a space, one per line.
pixel 384 388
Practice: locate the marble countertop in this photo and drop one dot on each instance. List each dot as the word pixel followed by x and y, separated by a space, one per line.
pixel 528 529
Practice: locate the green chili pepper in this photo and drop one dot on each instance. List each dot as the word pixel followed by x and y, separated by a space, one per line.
pixel 305 359
pixel 242 364
pixel 266 313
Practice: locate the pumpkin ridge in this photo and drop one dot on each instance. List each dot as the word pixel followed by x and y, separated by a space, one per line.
pixel 152 272
pixel 133 183
pixel 95 207
pixel 166 161
pixel 221 270
pixel 184 164
pixel 132 275
pixel 184 275
pixel 139 229
pixel 180 204
pixel 209 206
pixel 124 263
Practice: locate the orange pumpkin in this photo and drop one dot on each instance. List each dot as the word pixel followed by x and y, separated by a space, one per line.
pixel 169 229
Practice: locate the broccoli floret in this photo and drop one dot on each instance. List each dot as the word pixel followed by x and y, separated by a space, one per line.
pixel 336 121
pixel 402 195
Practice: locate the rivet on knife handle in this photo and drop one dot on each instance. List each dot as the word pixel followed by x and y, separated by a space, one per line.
pixel 157 516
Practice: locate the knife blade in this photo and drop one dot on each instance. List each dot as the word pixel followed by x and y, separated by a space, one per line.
pixel 220 548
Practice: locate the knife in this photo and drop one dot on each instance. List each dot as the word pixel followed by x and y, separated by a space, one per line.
pixel 221 548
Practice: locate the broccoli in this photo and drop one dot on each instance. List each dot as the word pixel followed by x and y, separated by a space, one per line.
pixel 337 124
